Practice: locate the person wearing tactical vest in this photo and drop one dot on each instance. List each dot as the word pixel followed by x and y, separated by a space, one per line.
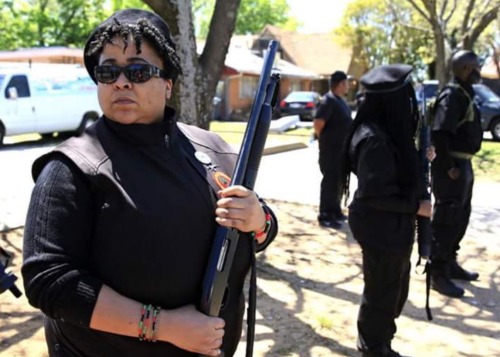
pixel 122 218
pixel 457 136
pixel 380 150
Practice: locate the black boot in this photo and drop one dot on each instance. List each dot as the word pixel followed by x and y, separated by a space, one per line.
pixel 328 221
pixel 457 272
pixel 445 286
pixel 381 351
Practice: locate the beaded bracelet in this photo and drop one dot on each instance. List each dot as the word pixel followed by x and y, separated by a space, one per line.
pixel 156 321
pixel 263 232
pixel 144 321
pixel 149 316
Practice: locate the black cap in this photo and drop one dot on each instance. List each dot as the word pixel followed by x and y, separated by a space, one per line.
pixel 386 78
pixel 133 17
pixel 337 76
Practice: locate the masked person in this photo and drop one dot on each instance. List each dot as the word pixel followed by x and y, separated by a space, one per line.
pixel 380 150
pixel 331 124
pixel 457 136
pixel 122 219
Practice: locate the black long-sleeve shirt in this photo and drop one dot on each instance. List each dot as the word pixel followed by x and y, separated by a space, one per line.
pixel 134 231
pixel 382 214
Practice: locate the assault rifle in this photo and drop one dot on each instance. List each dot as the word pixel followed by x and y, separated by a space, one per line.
pixel 245 173
pixel 7 280
pixel 424 229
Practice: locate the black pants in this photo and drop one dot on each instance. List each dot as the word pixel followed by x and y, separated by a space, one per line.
pixel 387 280
pixel 331 191
pixel 451 215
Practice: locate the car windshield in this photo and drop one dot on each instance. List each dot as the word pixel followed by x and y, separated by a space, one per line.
pixel 300 97
pixel 486 94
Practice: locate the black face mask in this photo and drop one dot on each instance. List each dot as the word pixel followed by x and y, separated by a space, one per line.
pixel 474 76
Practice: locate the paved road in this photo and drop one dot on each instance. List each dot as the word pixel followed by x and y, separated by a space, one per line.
pixel 289 176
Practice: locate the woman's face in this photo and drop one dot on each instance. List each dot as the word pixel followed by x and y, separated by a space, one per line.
pixel 127 102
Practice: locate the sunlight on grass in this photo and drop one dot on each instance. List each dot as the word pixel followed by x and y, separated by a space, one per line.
pixel 325 322
pixel 232 132
pixel 487 162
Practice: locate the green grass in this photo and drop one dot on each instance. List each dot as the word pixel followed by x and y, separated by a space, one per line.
pixel 233 132
pixel 325 322
pixel 487 162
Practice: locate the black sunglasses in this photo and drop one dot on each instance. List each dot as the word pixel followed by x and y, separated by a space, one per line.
pixel 135 73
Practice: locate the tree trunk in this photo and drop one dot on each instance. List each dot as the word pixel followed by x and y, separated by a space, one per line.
pixel 442 68
pixel 195 89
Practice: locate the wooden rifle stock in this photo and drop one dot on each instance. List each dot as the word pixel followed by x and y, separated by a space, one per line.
pixel 245 173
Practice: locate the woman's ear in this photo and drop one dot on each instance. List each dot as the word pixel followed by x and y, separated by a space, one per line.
pixel 168 91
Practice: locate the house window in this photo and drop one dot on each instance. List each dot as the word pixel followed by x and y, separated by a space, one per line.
pixel 248 87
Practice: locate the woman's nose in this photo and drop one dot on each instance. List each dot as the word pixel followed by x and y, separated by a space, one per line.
pixel 122 82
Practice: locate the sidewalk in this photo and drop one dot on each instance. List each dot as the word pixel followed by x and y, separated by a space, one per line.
pixel 292 175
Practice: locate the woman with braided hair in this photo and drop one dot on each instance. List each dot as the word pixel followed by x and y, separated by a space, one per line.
pixel 122 218
pixel 380 150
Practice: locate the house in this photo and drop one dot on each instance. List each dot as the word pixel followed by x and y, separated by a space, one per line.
pixel 240 76
pixel 236 87
pixel 44 55
pixel 317 52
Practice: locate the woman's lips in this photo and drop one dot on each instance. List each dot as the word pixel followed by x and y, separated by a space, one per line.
pixel 123 101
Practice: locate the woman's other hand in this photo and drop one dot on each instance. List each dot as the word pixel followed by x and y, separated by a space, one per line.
pixel 191 330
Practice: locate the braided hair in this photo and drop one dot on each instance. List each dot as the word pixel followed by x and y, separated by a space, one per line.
pixel 140 31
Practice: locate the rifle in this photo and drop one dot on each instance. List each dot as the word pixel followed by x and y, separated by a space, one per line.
pixel 245 173
pixel 424 229
pixel 7 279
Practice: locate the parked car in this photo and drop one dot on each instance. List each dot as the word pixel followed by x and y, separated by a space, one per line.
pixel 487 101
pixel 301 103
pixel 489 104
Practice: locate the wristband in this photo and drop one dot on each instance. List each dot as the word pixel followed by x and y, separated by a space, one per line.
pixel 263 232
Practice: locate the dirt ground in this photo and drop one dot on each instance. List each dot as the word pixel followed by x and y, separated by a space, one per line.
pixel 309 286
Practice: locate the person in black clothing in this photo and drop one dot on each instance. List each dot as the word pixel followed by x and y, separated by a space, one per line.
pixel 456 136
pixel 331 124
pixel 380 150
pixel 122 218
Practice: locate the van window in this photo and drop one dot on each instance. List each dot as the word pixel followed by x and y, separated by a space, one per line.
pixel 21 84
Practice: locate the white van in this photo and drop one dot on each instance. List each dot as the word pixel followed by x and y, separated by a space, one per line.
pixel 46 98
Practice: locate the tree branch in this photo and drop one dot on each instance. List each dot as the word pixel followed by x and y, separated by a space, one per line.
pixel 485 20
pixel 220 31
pixel 446 19
pixel 467 15
pixel 420 10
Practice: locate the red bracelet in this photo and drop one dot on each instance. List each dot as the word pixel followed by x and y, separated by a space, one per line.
pixel 143 328
pixel 262 233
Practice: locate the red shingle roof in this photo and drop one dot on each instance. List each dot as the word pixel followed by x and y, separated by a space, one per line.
pixel 319 52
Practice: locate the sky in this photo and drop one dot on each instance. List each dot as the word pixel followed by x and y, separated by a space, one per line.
pixel 317 15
